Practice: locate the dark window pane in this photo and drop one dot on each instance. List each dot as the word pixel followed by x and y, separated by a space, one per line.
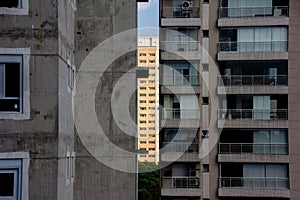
pixel 6 184
pixel 12 105
pixel 9 3
pixel 12 80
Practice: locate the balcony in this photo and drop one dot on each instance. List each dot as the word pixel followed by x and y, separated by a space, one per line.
pixel 183 118
pixel 179 16
pixel 180 151
pixel 253 84
pixel 254 187
pixel 180 84
pixel 181 186
pixel 253 152
pixel 252 118
pixel 258 148
pixel 253 16
pixel 233 50
pixel 180 50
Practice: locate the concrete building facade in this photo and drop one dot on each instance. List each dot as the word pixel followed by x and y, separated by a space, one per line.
pixel 42 45
pixel 247 91
pixel 148 102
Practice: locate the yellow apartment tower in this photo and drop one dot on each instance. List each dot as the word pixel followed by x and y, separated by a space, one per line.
pixel 148 100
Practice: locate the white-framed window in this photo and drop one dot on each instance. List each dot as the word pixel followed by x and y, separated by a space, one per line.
pixel 14 7
pixel 14 83
pixel 14 175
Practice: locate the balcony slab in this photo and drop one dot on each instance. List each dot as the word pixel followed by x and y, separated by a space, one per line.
pixel 255 158
pixel 266 89
pixel 249 123
pixel 226 56
pixel 257 192
pixel 169 22
pixel 253 21
pixel 181 192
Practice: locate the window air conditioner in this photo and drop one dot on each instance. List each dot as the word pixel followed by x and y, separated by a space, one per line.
pixel 187 5
pixel 194 182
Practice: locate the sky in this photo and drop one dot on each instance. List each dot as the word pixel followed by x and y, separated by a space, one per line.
pixel 148 15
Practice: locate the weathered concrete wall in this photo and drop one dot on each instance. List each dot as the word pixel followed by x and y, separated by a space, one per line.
pixel 95 22
pixel 39 31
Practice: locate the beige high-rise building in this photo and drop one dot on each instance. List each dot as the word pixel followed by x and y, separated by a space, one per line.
pixel 148 99
pixel 239 102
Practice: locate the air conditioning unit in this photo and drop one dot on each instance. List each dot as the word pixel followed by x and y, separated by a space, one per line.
pixel 186 5
pixel 194 173
pixel 194 182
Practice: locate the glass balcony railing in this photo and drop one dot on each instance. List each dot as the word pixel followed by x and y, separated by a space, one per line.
pixel 179 12
pixel 233 46
pixel 180 182
pixel 254 114
pixel 181 46
pixel 171 113
pixel 275 11
pixel 264 182
pixel 180 80
pixel 177 147
pixel 253 80
pixel 256 148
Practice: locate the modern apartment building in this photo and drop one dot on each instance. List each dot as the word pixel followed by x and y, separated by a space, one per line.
pixel 244 92
pixel 147 97
pixel 42 46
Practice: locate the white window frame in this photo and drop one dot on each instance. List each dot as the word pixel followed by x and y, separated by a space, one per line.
pixel 23 171
pixel 25 94
pixel 23 9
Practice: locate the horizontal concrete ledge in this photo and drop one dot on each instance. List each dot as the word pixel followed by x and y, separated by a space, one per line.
pixel 253 21
pixel 169 157
pixel 248 192
pixel 180 89
pixel 255 89
pixel 224 56
pixel 249 123
pixel 181 192
pixel 255 158
pixel 180 123
pixel 181 22
pixel 180 55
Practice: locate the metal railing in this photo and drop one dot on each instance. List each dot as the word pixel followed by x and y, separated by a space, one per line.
pixel 255 114
pixel 179 12
pixel 256 148
pixel 263 182
pixel 273 46
pixel 253 80
pixel 171 113
pixel 180 182
pixel 183 46
pixel 173 147
pixel 180 80
pixel 275 11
